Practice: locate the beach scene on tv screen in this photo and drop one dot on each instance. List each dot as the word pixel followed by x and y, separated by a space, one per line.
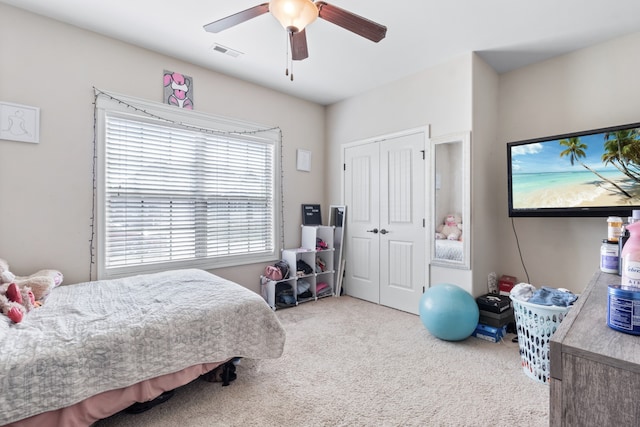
pixel 595 170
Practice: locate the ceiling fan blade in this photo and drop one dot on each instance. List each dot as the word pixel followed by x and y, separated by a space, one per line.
pixel 299 49
pixel 237 18
pixel 352 22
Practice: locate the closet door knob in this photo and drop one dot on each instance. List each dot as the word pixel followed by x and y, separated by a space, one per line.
pixel 383 231
pixel 374 231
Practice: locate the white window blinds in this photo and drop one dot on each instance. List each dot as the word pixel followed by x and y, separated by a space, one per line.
pixel 176 194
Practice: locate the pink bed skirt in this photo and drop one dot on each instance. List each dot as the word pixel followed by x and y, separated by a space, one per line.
pixel 105 404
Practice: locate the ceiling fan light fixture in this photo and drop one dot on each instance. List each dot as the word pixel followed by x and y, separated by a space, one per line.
pixel 294 15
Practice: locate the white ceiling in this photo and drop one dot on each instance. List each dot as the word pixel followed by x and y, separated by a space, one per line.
pixel 508 34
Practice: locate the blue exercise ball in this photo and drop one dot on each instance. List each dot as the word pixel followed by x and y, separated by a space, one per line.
pixel 449 312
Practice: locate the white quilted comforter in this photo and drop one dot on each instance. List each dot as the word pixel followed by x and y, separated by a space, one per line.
pixel 98 336
pixel 449 249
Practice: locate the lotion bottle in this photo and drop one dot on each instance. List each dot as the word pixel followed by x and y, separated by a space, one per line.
pixel 630 258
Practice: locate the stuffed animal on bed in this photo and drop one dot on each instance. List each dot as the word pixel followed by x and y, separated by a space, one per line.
pixel 451 229
pixel 15 302
pixel 20 294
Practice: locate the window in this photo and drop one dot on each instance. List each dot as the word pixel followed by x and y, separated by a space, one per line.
pixel 180 189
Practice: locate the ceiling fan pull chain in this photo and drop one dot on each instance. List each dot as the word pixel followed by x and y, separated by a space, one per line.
pixel 286 70
pixel 289 58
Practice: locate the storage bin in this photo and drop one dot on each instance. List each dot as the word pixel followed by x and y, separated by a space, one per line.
pixel 535 325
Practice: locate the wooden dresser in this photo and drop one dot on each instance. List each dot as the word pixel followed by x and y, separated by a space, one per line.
pixel 595 370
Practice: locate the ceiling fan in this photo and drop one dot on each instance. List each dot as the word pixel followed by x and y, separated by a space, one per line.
pixel 295 15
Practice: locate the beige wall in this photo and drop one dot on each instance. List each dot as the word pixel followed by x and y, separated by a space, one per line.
pixel 46 188
pixel 591 88
pixel 457 96
pixel 487 170
pixel 588 89
pixel 440 96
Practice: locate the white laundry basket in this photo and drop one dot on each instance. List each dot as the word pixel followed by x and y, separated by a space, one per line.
pixel 535 324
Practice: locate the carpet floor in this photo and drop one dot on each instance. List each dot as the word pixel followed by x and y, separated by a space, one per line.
pixel 348 362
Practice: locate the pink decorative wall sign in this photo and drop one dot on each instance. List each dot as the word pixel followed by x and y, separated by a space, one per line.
pixel 178 90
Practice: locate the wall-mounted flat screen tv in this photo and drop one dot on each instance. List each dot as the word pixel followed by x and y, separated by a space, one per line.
pixel 591 173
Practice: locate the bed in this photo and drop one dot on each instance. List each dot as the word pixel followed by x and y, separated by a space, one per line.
pixel 95 348
pixel 451 250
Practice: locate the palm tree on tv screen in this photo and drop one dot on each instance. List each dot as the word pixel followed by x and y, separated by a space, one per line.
pixel 576 150
pixel 622 149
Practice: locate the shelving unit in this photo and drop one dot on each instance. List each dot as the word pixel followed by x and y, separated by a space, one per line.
pixel 320 261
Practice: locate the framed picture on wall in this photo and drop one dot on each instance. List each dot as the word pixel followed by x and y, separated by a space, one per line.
pixel 178 89
pixel 19 122
pixel 303 161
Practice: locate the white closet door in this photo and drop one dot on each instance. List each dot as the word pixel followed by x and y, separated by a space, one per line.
pixel 362 188
pixel 385 195
pixel 402 225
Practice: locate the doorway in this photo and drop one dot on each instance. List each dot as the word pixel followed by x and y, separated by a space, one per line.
pixel 384 187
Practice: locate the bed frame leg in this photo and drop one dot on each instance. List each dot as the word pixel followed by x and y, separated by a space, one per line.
pixel 228 373
pixel 224 373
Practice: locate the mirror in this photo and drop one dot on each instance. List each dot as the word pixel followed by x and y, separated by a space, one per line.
pixel 337 218
pixel 450 215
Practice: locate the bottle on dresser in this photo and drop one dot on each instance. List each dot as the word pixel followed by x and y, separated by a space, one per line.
pixel 624 236
pixel 630 256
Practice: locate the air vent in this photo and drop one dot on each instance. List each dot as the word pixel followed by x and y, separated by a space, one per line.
pixel 226 50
